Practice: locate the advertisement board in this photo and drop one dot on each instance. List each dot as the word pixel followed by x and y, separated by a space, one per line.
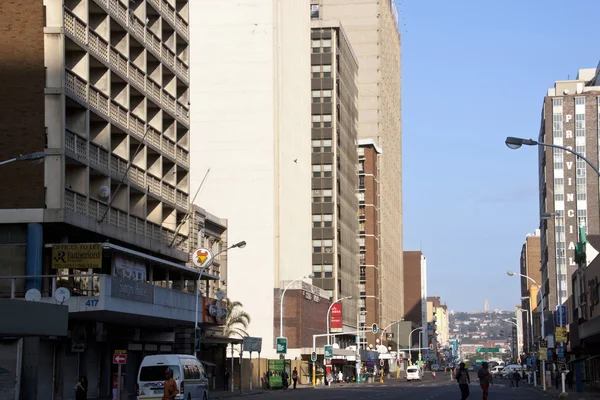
pixel 335 318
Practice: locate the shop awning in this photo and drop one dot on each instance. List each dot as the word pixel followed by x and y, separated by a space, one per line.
pixel 187 271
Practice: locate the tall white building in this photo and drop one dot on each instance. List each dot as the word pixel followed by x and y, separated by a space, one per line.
pixel 251 108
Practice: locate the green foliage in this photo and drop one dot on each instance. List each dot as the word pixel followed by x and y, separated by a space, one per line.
pixel 237 319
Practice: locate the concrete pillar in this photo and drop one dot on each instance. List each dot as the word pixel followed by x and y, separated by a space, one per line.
pixel 35 245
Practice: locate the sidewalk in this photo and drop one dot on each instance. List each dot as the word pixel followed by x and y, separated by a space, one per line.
pixel 221 394
pixel 587 394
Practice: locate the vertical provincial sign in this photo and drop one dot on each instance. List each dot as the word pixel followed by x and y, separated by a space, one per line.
pixel 335 321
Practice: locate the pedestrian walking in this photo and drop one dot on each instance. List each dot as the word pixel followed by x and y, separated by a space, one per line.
pixel 170 386
pixel 570 380
pixel 285 380
pixel 433 374
pixel 463 379
pixel 226 376
pixel 81 388
pixel 511 377
pixel 340 377
pixel 485 379
pixel 517 377
pixel 295 376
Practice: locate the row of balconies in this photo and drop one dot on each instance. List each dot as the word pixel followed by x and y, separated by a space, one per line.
pixel 95 209
pixel 119 11
pixel 115 113
pixel 77 148
pixel 85 36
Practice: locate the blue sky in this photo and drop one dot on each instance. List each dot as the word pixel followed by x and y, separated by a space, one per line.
pixel 474 72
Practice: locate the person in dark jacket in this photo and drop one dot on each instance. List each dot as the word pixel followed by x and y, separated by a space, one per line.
pixel 81 388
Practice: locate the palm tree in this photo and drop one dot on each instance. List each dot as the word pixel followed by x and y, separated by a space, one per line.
pixel 237 319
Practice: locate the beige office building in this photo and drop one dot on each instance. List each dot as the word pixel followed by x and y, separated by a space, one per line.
pixel 251 106
pixel 371 26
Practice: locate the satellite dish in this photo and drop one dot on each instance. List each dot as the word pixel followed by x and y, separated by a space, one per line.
pixel 33 295
pixel 221 295
pixel 104 192
pixel 62 295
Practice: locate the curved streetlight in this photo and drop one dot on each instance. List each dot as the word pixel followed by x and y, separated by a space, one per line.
pixel 410 343
pixel 240 245
pixel 37 156
pixel 515 143
pixel 329 312
pixel 512 273
pixel 281 300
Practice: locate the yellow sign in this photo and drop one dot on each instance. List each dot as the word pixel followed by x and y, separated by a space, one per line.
pixel 543 355
pixel 120 351
pixel 561 334
pixel 77 256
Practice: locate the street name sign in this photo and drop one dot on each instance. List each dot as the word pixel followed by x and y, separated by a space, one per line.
pixel 328 351
pixel 281 343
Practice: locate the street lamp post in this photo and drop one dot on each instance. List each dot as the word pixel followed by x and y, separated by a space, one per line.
pixel 281 301
pixel 530 337
pixel 329 312
pixel 397 342
pixel 410 343
pixel 240 245
pixel 515 143
pixel 512 273
pixel 37 156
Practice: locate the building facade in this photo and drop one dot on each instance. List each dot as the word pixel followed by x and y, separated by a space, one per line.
pixel 369 241
pixel 530 262
pixel 102 225
pixel 415 295
pixel 372 29
pixel 335 256
pixel 253 129
pixel 443 330
pixel 568 196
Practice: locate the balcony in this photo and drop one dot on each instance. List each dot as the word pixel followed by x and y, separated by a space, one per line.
pixel 103 297
pixel 78 88
pixel 84 212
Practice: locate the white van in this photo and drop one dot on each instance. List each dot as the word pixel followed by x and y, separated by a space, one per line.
pixel 414 373
pixel 188 372
pixel 509 369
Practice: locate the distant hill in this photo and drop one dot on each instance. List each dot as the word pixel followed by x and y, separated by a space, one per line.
pixel 481 327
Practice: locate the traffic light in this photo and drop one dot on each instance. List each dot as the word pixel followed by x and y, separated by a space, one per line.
pixel 313 356
pixel 374 328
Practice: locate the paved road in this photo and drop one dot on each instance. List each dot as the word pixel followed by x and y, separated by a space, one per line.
pixel 393 390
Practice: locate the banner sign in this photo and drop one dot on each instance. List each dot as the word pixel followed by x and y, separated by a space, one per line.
pixel 335 321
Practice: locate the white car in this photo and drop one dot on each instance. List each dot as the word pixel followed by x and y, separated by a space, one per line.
pixel 188 373
pixel 414 373
pixel 497 370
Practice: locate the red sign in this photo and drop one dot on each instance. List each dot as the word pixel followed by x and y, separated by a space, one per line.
pixel 335 321
pixel 119 358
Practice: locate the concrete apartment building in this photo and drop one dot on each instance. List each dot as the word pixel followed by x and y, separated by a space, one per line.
pixel 252 125
pixel 368 220
pixel 530 263
pixel 102 87
pixel 335 257
pixel 415 295
pixel 371 26
pixel 568 194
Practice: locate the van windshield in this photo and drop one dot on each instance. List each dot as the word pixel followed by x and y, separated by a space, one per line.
pixel 411 370
pixel 154 373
